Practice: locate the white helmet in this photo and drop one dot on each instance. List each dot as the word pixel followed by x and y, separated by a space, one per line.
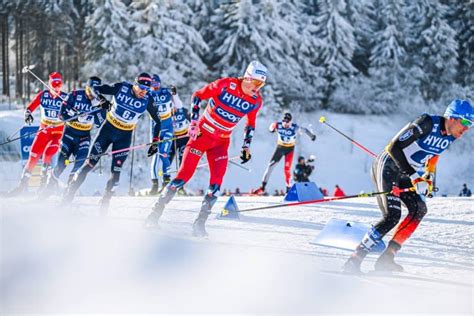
pixel 256 70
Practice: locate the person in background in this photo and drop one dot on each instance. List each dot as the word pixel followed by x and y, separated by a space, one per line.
pixel 302 170
pixel 465 191
pixel 338 191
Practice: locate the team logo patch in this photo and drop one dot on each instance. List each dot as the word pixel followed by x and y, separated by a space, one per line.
pixel 124 89
pixel 435 128
pixel 195 152
pixel 232 86
pixel 406 135
pixel 79 98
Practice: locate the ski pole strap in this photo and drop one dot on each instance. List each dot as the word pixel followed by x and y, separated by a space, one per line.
pixel 322 119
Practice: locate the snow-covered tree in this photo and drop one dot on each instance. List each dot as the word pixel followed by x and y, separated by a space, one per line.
pixel 108 42
pixel 266 31
pixel 166 43
pixel 432 47
pixel 460 16
pixel 387 61
pixel 337 42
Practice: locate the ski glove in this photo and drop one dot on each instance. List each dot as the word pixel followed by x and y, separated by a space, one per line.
pixel 28 117
pixel 423 185
pixel 103 102
pixel 173 90
pixel 193 131
pixel 313 137
pixel 153 148
pixel 245 155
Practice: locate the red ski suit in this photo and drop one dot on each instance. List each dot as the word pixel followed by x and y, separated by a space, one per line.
pixel 46 142
pixel 227 105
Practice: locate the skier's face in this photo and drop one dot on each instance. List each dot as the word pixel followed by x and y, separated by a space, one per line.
pixel 56 85
pixel 286 123
pixel 456 127
pixel 140 91
pixel 251 86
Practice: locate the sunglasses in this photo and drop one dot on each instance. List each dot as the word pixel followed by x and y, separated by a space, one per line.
pixel 143 87
pixel 256 83
pixel 466 122
pixel 56 84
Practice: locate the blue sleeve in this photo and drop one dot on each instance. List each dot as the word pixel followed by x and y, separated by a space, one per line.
pixel 153 110
pixel 99 117
pixel 109 90
pixel 68 105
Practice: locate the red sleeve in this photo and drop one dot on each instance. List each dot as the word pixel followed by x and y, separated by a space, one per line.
pixel 210 90
pixel 35 103
pixel 252 116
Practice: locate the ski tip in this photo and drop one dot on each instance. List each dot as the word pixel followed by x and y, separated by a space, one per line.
pixel 322 119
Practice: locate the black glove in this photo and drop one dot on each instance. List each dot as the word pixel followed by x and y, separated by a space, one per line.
pixel 173 90
pixel 28 117
pixel 313 137
pixel 245 155
pixel 152 150
pixel 103 102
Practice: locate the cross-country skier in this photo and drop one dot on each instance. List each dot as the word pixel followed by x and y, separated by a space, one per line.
pixel 77 133
pixel 230 99
pixel 409 160
pixel 287 132
pixel 46 142
pixel 166 100
pixel 129 102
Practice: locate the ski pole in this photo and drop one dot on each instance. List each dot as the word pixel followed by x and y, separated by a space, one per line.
pixel 322 119
pixel 240 166
pixel 28 69
pixel 9 138
pixel 395 191
pixel 125 149
pixel 51 126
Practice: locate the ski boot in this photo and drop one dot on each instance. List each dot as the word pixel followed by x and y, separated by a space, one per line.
pixel 166 180
pixel 168 193
pixel 22 186
pixel 154 187
pixel 386 262
pixel 105 202
pixel 199 226
pixel 258 191
pixel 352 266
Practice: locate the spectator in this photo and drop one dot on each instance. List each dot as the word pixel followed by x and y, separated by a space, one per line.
pixel 276 193
pixel 465 191
pixel 302 170
pixel 237 191
pixel 324 191
pixel 338 191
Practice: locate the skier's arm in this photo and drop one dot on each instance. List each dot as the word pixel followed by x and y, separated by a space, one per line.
pixel 106 89
pixel 421 127
pixel 272 127
pixel 153 111
pixel 35 102
pixel 177 103
pixel 67 111
pixel 204 93
pixel 250 126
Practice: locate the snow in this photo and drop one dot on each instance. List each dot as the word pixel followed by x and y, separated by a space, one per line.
pixel 61 260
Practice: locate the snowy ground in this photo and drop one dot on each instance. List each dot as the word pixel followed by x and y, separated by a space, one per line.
pixel 72 260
